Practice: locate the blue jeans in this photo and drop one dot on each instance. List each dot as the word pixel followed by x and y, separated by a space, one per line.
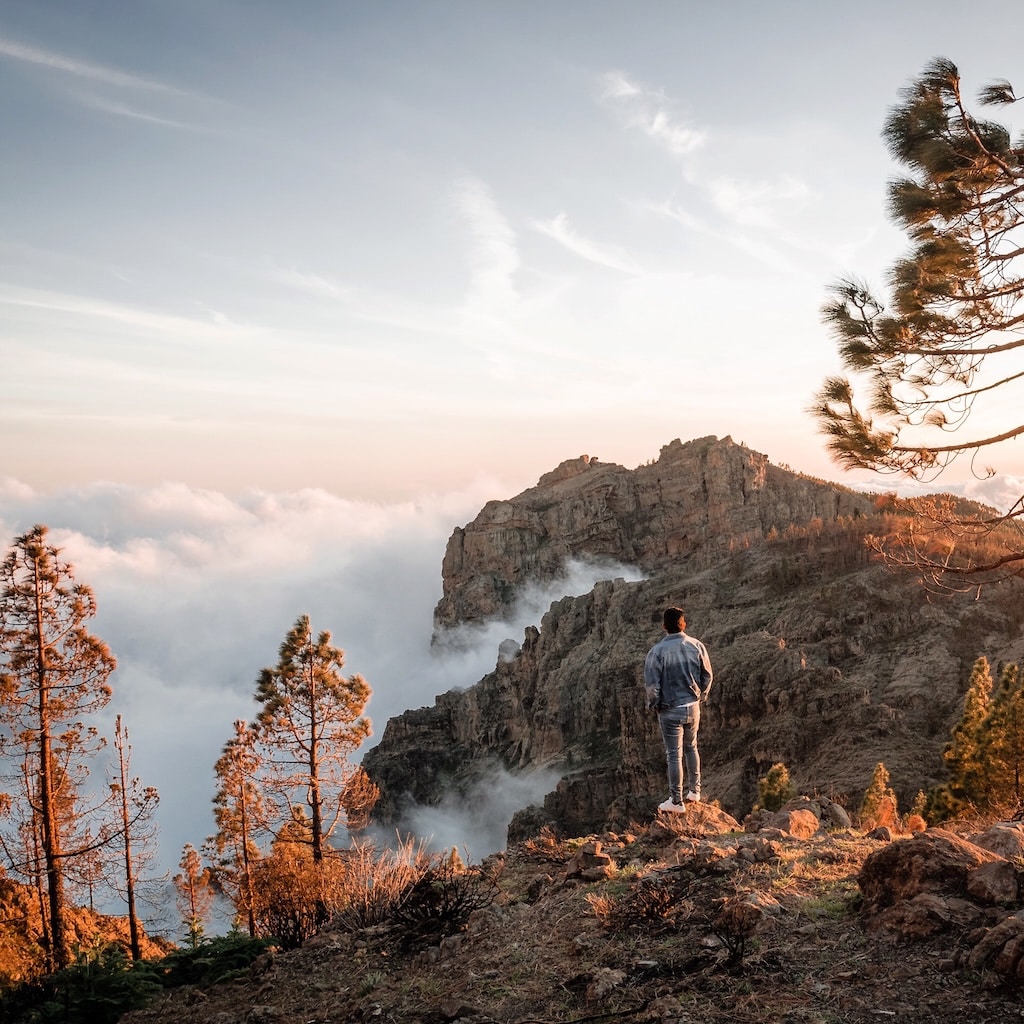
pixel 679 731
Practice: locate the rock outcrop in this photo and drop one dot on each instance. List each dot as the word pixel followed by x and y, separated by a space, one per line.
pixel 696 502
pixel 824 659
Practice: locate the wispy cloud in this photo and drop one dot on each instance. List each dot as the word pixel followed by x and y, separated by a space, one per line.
pixel 754 203
pixel 180 327
pixel 73 72
pixel 744 203
pixel 312 284
pixel 653 113
pixel 80 68
pixel 495 254
pixel 559 230
pixel 123 110
pixel 766 252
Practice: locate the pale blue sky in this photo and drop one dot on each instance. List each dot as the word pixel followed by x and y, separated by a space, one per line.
pixel 386 249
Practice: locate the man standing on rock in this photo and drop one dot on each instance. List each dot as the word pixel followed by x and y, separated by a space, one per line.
pixel 677 677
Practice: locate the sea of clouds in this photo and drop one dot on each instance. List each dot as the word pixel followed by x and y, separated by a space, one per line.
pixel 196 591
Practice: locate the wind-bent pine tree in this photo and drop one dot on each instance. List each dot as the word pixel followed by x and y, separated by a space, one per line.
pixel 950 340
pixel 309 725
pixel 240 814
pixel 53 675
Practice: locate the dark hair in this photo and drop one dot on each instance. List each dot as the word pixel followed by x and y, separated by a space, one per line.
pixel 674 620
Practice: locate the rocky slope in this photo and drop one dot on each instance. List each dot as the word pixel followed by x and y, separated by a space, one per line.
pixel 824 659
pixel 685 918
pixel 21 924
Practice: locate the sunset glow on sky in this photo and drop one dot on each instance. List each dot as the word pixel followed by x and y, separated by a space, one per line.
pixel 387 249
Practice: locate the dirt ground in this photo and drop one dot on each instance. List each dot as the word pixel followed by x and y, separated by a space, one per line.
pixel 674 925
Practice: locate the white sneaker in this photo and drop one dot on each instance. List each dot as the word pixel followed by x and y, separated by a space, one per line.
pixel 692 796
pixel 674 808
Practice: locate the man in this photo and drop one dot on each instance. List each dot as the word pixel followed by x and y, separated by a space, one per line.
pixel 677 677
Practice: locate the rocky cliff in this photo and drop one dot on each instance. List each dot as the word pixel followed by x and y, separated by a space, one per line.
pixel 824 659
pixel 694 503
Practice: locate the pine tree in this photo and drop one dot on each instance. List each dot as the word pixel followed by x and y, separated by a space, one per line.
pixel 775 789
pixel 1003 742
pixel 195 893
pixel 241 816
pixel 53 675
pixel 309 725
pixel 879 805
pixel 985 755
pixel 965 754
pixel 947 343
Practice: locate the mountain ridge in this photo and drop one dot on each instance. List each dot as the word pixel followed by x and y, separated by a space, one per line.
pixel 825 660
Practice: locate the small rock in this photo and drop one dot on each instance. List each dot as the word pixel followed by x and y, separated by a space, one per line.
pixel 605 979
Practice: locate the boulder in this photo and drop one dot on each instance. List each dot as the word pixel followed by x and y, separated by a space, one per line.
pixel 1003 837
pixel 802 824
pixel 933 861
pixel 994 883
pixel 927 914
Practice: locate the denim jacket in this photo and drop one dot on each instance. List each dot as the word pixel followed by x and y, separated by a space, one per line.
pixel 677 672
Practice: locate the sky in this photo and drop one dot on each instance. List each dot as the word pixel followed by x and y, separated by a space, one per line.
pixel 288 291
pixel 388 248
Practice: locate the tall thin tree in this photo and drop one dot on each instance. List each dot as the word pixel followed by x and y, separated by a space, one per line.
pixel 195 893
pixel 240 815
pixel 310 724
pixel 53 674
pixel 135 806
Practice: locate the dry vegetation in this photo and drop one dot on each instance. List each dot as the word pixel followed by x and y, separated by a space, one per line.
pixel 677 922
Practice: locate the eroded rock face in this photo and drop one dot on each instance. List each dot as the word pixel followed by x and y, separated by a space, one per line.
pixel 697 498
pixel 824 660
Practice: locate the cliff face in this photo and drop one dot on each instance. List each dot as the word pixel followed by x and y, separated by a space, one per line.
pixel 823 659
pixel 694 502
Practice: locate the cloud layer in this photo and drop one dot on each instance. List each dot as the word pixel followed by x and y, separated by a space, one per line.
pixel 197 590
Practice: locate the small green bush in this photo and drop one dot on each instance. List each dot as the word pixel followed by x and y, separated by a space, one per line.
pixel 212 960
pixel 98 988
pixel 775 789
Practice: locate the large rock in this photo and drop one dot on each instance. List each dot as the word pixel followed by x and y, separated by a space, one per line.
pixel 1003 837
pixel 933 861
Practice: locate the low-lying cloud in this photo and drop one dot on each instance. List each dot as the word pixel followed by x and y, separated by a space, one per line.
pixel 197 589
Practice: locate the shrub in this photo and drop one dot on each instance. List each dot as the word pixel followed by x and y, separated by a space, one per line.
pixel 879 806
pixel 98 988
pixel 212 960
pixel 293 895
pixel 375 883
pixel 775 789
pixel 441 900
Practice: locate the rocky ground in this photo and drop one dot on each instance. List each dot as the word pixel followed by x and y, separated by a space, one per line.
pixel 686 918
